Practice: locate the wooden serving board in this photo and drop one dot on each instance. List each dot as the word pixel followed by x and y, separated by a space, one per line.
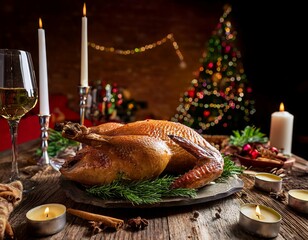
pixel 208 193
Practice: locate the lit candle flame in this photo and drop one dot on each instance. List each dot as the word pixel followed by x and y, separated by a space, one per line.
pixel 40 23
pixel 84 9
pixel 46 212
pixel 281 107
pixel 258 212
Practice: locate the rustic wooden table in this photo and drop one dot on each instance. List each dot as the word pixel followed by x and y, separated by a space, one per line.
pixel 212 220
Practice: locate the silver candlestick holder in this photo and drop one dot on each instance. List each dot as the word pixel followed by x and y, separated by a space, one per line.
pixel 44 123
pixel 83 93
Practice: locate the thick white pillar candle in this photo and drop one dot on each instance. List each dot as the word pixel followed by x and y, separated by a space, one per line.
pixel 282 130
pixel 43 94
pixel 84 50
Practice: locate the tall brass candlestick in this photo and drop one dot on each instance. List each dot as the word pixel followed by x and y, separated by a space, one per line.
pixel 83 93
pixel 44 122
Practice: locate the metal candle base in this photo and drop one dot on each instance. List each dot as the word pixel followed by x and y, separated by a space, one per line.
pixel 44 122
pixel 83 93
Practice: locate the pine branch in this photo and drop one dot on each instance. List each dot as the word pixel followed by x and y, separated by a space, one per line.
pixel 153 191
pixel 140 192
pixel 56 143
pixel 230 169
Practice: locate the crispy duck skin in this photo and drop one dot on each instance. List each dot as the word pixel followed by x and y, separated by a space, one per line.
pixel 107 157
pixel 141 150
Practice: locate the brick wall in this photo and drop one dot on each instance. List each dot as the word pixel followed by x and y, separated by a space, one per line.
pixel 270 42
pixel 153 76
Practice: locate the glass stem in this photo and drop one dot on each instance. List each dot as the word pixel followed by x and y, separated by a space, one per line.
pixel 13 130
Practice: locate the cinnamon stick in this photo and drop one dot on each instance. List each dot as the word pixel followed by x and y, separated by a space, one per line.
pixel 105 220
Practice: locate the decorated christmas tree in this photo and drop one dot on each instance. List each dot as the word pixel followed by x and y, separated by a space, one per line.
pixel 219 100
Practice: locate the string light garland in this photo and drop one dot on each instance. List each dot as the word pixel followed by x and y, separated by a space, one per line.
pixel 144 48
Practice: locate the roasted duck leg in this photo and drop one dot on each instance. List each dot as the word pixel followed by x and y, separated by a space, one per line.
pixel 207 169
pixel 150 145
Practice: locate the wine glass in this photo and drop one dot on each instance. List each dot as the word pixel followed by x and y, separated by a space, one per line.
pixel 18 95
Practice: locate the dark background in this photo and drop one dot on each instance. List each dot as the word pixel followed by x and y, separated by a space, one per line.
pixel 275 58
pixel 270 38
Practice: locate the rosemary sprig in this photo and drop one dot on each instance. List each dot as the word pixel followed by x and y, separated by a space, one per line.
pixel 153 191
pixel 250 134
pixel 56 143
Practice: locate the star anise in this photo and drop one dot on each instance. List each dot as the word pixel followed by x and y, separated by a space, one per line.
pixel 138 223
pixel 280 196
pixel 279 172
pixel 96 227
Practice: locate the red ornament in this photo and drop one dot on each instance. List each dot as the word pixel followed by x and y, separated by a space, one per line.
pixel 222 93
pixel 119 102
pixel 206 113
pixel 227 48
pixel 249 89
pixel 210 65
pixel 191 93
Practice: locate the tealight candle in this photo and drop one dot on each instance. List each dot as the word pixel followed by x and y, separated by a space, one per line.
pixel 282 130
pixel 260 220
pixel 46 219
pixel 268 182
pixel 298 199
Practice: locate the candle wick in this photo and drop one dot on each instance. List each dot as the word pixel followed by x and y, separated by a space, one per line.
pixel 47 215
pixel 258 216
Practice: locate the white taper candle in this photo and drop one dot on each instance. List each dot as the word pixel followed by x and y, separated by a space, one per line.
pixel 43 88
pixel 84 50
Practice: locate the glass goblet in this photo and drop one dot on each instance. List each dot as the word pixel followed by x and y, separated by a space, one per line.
pixel 18 95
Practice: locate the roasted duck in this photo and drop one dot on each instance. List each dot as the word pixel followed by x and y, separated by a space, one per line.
pixel 141 150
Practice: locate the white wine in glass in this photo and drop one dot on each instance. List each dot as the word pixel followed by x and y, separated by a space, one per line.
pixel 18 95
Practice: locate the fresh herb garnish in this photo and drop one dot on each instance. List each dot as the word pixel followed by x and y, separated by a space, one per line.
pixel 140 192
pixel 250 134
pixel 56 143
pixel 230 169
pixel 153 191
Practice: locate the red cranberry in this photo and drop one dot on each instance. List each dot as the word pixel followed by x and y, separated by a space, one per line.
pixel 247 148
pixel 274 150
pixel 254 153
